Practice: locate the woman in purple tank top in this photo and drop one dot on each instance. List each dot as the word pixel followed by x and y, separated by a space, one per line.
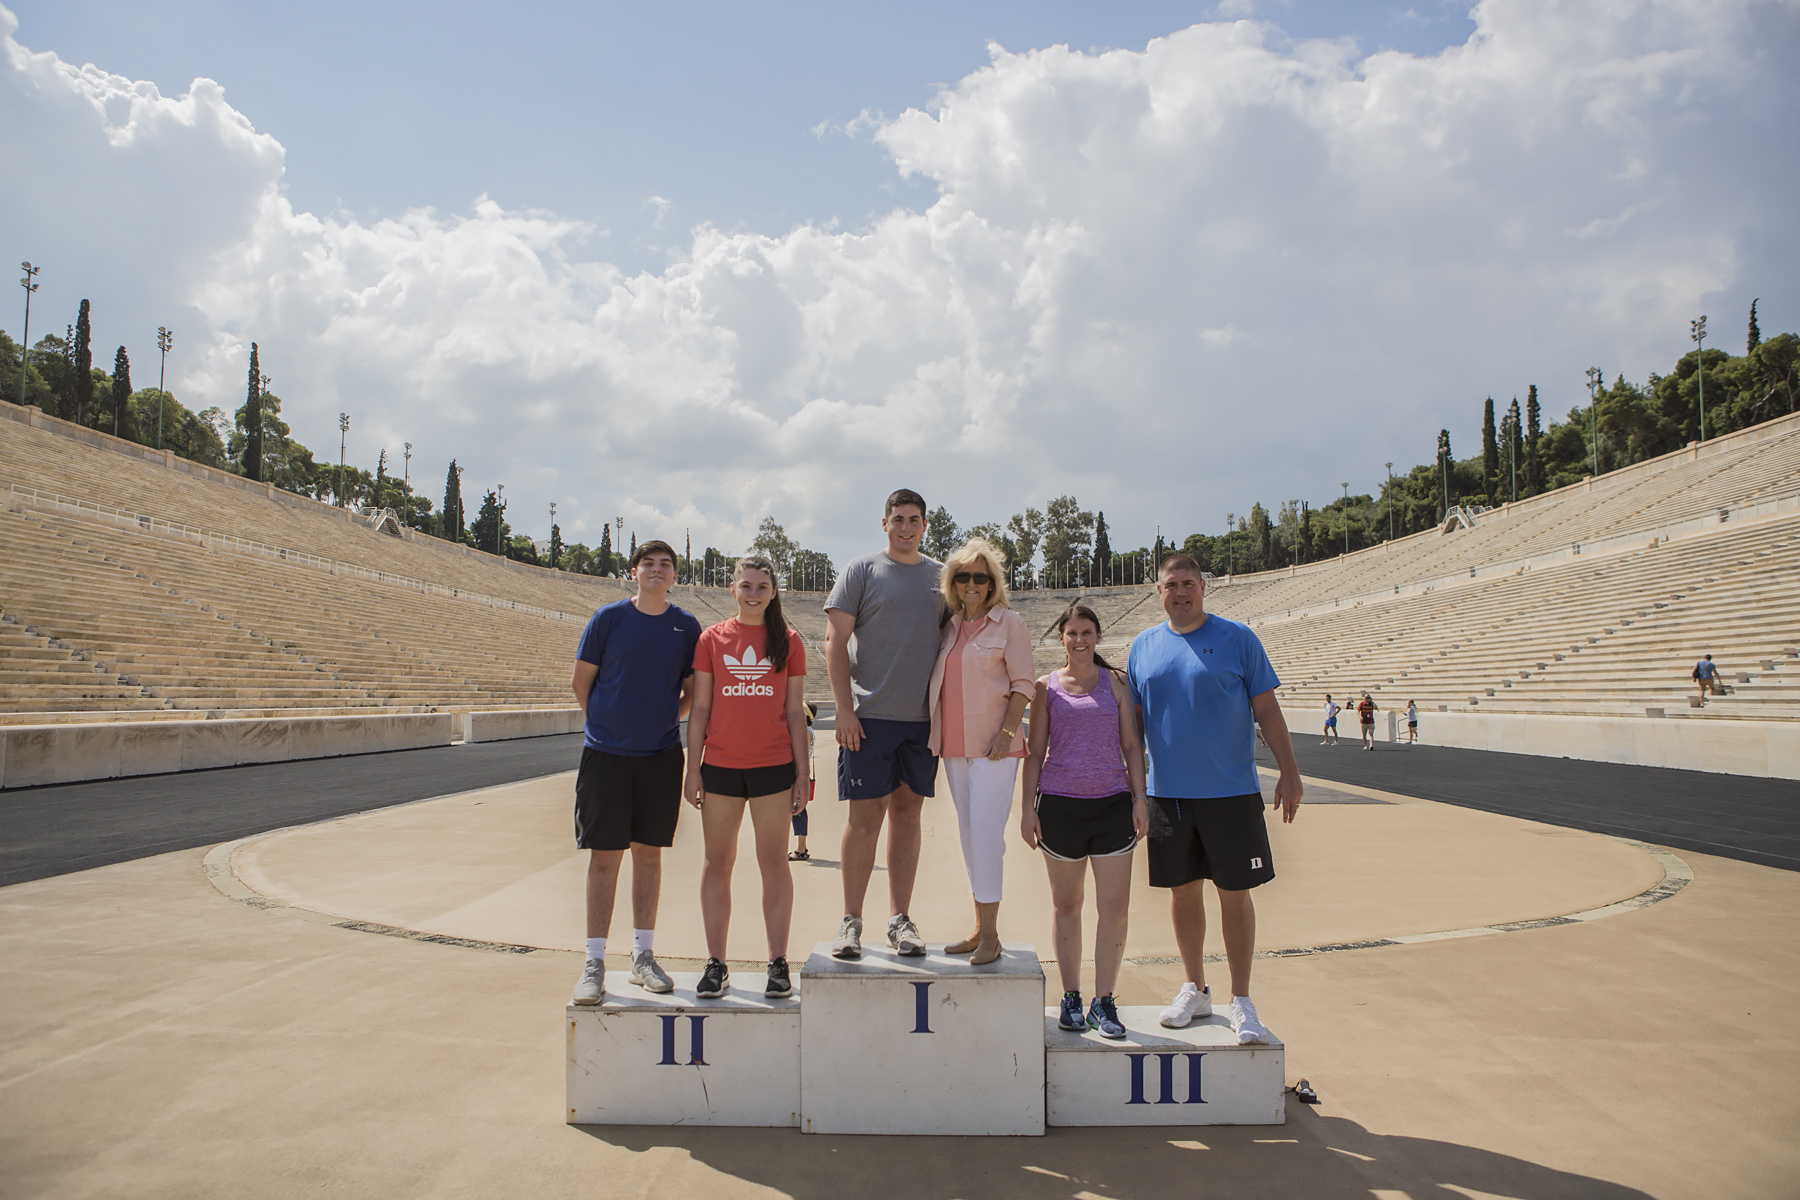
pixel 1084 782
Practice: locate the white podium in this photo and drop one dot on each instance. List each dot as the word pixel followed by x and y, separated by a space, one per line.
pixel 642 1059
pixel 924 1045
pixel 1155 1076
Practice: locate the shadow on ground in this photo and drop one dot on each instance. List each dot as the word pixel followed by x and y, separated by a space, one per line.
pixel 1314 1155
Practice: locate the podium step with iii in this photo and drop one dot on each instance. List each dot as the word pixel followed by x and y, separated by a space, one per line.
pixel 1197 1075
pixel 642 1059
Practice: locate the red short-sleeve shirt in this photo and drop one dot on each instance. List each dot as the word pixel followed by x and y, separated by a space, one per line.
pixel 748 726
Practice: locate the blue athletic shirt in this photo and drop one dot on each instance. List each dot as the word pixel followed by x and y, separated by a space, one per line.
pixel 1195 690
pixel 634 707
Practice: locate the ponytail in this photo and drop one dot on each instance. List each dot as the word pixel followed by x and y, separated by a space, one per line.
pixel 774 624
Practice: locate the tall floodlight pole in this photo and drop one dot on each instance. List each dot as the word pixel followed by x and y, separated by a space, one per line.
pixel 1346 518
pixel 619 524
pixel 1594 377
pixel 343 434
pixel 1699 336
pixel 165 341
pixel 499 513
pixel 1230 543
pixel 1512 452
pixel 25 338
pixel 406 484
pixel 1390 501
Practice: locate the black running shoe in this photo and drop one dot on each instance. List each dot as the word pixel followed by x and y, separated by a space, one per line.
pixel 713 980
pixel 779 983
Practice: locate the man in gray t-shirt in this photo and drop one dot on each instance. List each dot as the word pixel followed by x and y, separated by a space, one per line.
pixel 879 652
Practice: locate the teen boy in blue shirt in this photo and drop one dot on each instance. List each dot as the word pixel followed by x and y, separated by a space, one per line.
pixel 632 677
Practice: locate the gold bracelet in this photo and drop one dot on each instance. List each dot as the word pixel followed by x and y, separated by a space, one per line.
pixel 1010 732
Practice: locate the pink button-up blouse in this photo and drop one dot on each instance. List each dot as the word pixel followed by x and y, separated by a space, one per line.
pixel 996 662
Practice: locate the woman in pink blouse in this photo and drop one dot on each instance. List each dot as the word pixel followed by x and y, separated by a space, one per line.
pixel 979 690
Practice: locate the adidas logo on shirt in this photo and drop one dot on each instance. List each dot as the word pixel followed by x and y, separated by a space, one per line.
pixel 748 668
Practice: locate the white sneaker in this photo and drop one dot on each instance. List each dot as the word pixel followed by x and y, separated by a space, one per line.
pixel 592 984
pixel 1189 1002
pixel 1250 1031
pixel 648 974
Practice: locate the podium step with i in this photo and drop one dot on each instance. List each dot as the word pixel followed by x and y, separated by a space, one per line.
pixel 927 1045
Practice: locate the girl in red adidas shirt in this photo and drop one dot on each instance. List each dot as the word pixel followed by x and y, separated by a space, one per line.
pixel 746 744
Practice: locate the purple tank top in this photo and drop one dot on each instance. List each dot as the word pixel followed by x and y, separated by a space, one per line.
pixel 1083 757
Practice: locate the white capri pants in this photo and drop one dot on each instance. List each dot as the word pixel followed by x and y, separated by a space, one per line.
pixel 983 792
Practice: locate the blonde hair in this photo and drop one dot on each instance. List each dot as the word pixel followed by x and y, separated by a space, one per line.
pixel 975 554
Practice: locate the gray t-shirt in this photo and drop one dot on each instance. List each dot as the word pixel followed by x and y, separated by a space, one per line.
pixel 894 648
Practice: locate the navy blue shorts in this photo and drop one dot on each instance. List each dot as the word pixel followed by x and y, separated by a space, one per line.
pixel 893 753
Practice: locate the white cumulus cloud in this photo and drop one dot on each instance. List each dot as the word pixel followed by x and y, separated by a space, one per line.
pixel 1224 268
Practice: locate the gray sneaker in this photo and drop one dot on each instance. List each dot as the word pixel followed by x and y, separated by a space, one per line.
pixel 648 974
pixel 593 982
pixel 849 938
pixel 904 937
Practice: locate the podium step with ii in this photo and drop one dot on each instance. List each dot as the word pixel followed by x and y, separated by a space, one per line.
pixel 643 1059
pixel 1198 1075
pixel 927 1045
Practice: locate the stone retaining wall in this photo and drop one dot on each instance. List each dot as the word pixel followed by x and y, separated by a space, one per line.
pixel 1769 749
pixel 39 754
pixel 536 722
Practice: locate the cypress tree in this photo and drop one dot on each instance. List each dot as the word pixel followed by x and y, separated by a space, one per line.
pixel 1305 547
pixel 1755 333
pixel 606 554
pixel 121 396
pixel 84 366
pixel 1490 452
pixel 1102 552
pixel 453 510
pixel 556 546
pixel 253 423
pixel 1534 462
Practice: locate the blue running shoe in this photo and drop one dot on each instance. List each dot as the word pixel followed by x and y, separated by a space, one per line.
pixel 1071 1018
pixel 1103 1017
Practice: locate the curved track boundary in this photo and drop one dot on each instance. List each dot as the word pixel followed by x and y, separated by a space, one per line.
pixel 1676 877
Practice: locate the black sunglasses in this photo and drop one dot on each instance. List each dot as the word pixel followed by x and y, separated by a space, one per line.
pixel 966 577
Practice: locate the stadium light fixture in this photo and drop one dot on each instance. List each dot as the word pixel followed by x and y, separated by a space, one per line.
pixel 1594 377
pixel 499 513
pixel 1390 501
pixel 343 433
pixel 1699 336
pixel 25 337
pixel 406 485
pixel 1346 518
pixel 165 341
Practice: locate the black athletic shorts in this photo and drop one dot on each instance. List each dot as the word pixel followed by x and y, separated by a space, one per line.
pixel 746 782
pixel 1073 827
pixel 1223 839
pixel 626 798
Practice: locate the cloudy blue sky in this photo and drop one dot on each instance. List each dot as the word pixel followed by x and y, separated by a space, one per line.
pixel 698 265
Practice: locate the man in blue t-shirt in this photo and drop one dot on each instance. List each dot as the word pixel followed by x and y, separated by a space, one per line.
pixel 633 672
pixel 1202 685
